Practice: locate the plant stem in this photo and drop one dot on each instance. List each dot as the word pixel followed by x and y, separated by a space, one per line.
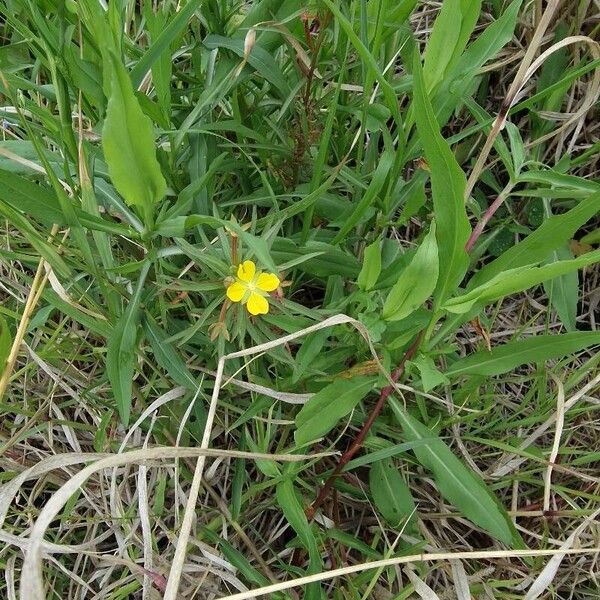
pixel 357 443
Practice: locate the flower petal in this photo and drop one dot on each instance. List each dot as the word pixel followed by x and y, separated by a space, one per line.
pixel 267 282
pixel 236 291
pixel 246 271
pixel 257 304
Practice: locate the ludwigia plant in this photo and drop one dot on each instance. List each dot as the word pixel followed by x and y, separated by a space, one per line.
pixel 183 181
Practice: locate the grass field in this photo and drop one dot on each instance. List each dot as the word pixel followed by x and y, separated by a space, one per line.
pixel 299 299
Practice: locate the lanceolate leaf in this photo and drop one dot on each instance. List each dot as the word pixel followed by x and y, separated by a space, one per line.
pixel 554 232
pixel 451 31
pixel 457 484
pixel 327 407
pixel 486 46
pixel 517 280
pixel 128 144
pixel 391 494
pixel 563 291
pixel 416 282
pixel 448 184
pixel 166 356
pixel 121 351
pixel 531 350
pixel 371 268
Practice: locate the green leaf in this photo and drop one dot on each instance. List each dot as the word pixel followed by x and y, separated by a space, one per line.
pixel 41 203
pixel 128 145
pixel 236 558
pixel 448 184
pixel 451 32
pixel 391 494
pixel 563 291
pixel 121 351
pixel 386 162
pixel 310 349
pixel 166 356
pixel 444 38
pixel 368 59
pixel 517 280
pixel 485 47
pixel 175 27
pixel 288 501
pixel 5 343
pixel 259 58
pixel 327 407
pixel 416 282
pixel 553 233
pixel 371 268
pixel 457 484
pixel 431 376
pixel 531 350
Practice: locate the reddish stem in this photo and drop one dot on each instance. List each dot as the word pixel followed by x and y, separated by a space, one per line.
pixel 357 442
pixel 487 215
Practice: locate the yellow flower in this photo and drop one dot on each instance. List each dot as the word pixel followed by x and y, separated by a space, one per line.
pixel 252 288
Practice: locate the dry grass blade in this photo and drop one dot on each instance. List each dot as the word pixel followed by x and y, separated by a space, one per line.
pixel 560 421
pixel 32 587
pixel 545 578
pixel 188 517
pixel 400 560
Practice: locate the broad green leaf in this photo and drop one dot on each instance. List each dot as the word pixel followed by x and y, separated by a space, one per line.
pixel 416 282
pixel 167 356
pixel 431 376
pixel 128 145
pixel 444 38
pixel 517 280
pixel 563 291
pixel 457 484
pixel 371 268
pixel 327 407
pixel 41 203
pixel 5 343
pixel 391 494
pixel 27 150
pixel 554 232
pixel 449 36
pixel 507 357
pixel 121 351
pixel 42 247
pixel 448 184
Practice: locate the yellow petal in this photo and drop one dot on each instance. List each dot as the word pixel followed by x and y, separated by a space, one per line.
pixel 246 271
pixel 257 304
pixel 267 282
pixel 236 291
